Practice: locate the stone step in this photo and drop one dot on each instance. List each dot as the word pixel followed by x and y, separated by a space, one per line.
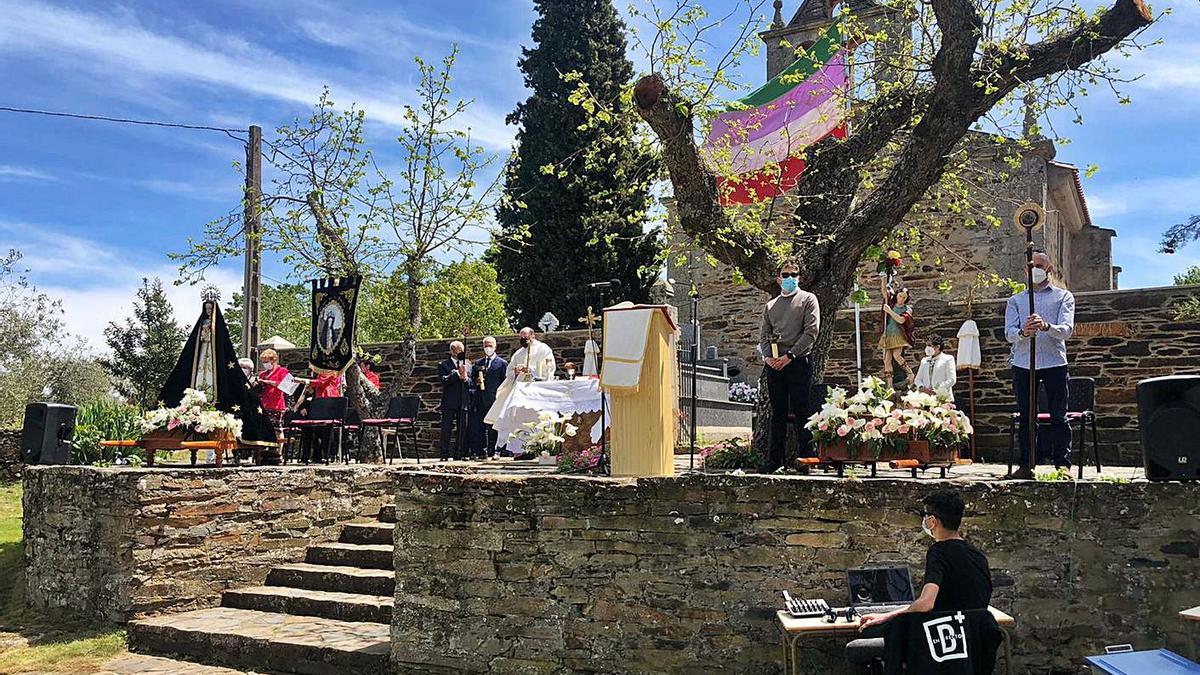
pixel 266 641
pixel 307 602
pixel 144 664
pixel 387 513
pixel 335 578
pixel 375 556
pixel 367 533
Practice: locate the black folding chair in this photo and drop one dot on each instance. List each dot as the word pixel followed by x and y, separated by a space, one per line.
pixel 401 414
pixel 1081 400
pixel 327 416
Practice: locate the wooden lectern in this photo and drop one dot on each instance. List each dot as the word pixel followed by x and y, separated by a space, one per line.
pixel 639 375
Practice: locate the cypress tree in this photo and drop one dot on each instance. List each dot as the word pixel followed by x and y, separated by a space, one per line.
pixel 578 188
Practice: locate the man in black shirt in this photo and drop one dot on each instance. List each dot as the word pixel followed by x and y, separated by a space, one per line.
pixel 957 576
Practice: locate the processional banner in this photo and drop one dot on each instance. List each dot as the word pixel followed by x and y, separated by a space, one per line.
pixel 334 301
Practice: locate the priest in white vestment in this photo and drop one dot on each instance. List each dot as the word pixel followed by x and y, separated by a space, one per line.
pixel 533 362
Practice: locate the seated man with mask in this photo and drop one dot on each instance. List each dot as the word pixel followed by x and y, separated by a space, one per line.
pixel 957 575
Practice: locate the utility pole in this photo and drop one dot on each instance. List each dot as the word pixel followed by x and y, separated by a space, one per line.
pixel 252 220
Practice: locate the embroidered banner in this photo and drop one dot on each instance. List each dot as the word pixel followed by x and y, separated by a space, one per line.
pixel 332 337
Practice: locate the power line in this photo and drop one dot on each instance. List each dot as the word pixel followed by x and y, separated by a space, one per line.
pixel 123 120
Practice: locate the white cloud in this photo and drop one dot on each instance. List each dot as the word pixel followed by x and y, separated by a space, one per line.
pixel 97 283
pixel 1143 266
pixel 110 43
pixel 22 173
pixel 1166 195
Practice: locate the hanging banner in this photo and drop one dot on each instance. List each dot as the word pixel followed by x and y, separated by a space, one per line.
pixel 332 337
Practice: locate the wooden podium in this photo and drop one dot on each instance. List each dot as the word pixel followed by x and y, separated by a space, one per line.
pixel 639 375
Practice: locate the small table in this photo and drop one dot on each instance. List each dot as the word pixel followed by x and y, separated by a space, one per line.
pixel 792 629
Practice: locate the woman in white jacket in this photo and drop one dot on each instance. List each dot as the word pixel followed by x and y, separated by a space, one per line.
pixel 936 374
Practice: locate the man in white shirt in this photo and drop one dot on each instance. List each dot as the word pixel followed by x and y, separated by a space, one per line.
pixel 936 374
pixel 534 361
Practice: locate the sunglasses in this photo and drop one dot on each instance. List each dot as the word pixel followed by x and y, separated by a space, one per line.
pixel 789 275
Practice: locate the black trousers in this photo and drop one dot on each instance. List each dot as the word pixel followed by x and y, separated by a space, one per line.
pixel 454 425
pixel 1058 435
pixel 789 390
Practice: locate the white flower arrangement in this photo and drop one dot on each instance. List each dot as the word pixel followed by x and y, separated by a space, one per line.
pixel 870 418
pixel 547 434
pixel 194 413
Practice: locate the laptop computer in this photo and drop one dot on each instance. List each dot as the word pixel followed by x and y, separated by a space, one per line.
pixel 879 589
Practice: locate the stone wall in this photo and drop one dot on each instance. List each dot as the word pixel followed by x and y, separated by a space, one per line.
pixel 683 574
pixel 567 346
pixel 117 544
pixel 10 455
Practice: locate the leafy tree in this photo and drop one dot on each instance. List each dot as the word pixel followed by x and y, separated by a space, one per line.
pixel 1189 276
pixel 438 195
pixel 578 188
pixel 933 81
pixel 38 361
pixel 284 310
pixel 910 111
pixel 146 347
pixel 462 297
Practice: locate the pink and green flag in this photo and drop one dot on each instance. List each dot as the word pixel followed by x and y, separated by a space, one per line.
pixel 759 141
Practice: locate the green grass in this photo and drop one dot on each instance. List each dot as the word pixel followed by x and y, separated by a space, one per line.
pixel 43 642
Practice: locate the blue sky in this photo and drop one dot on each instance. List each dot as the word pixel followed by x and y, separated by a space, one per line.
pixel 96 206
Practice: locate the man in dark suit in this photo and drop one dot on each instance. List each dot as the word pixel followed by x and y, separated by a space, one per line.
pixel 489 372
pixel 455 374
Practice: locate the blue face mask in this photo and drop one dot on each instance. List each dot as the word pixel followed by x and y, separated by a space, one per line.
pixel 789 285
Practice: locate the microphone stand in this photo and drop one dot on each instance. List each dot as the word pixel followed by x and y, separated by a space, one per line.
pixel 695 297
pixel 604 465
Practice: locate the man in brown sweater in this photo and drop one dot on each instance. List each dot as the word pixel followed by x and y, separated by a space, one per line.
pixel 789 331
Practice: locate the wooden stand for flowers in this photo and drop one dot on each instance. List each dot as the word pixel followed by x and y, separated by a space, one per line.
pixel 179 439
pixel 915 455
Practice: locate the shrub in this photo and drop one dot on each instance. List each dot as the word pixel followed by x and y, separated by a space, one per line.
pixel 732 453
pixel 106 420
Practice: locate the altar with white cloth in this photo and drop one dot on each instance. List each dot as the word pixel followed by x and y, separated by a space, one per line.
pixel 563 397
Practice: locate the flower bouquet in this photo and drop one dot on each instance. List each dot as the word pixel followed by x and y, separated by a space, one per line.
pixel 867 421
pixel 869 426
pixel 193 414
pixel 544 437
pixel 888 264
pixel 743 392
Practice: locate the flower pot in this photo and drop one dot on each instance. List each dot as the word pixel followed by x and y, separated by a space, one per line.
pixel 926 453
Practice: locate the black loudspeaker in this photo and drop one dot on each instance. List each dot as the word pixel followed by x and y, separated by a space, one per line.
pixel 47 433
pixel 1169 418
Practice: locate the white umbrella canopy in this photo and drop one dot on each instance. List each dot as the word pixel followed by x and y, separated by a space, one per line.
pixel 276 342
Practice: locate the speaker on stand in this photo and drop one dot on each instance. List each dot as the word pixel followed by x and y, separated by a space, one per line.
pixel 1169 421
pixel 47 433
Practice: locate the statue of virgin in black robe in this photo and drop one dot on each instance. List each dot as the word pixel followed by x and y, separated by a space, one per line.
pixel 209 355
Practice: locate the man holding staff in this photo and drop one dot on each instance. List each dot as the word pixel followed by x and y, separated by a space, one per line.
pixel 1052 322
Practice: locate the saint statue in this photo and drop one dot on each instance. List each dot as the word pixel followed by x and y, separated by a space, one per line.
pixel 204 368
pixel 209 362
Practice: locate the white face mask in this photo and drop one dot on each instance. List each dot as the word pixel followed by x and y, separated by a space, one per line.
pixel 1039 275
pixel 489 350
pixel 570 373
pixel 929 350
pixel 268 366
pixel 925 528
